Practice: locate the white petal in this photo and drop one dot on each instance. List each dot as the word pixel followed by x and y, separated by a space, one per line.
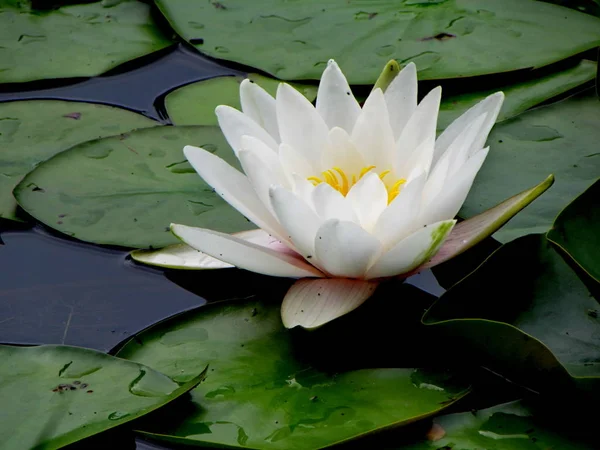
pixel 451 197
pixel 312 303
pixel 243 254
pixel 335 102
pixel 268 158
pixel 490 105
pixel 235 124
pixel 260 176
pixel 300 125
pixel 372 133
pixel 401 98
pixel 398 219
pixel 341 152
pixel 369 198
pixel 297 218
pixel 259 106
pixel 331 204
pixel 419 160
pixel 435 182
pixel 344 249
pixel 233 187
pixel 419 128
pixel 293 162
pixel 412 251
pixel 303 189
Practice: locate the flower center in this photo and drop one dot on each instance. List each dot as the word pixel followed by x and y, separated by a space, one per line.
pixel 341 182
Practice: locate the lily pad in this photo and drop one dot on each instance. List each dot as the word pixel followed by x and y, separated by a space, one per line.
pixel 577 230
pixel 510 426
pixel 55 395
pixel 446 39
pixel 260 394
pixel 541 326
pixel 125 190
pixel 195 103
pixel 521 96
pixel 561 139
pixel 73 41
pixel 33 131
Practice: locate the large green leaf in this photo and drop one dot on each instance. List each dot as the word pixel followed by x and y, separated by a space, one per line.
pixel 195 103
pixel 261 393
pixel 33 131
pixel 54 395
pixel 526 313
pixel 74 41
pixel 446 39
pixel 511 426
pixel 561 139
pixel 126 190
pixel 520 96
pixel 577 230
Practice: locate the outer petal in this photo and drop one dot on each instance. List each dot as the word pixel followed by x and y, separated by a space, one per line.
pixel 401 98
pixel 233 187
pixel 344 249
pixel 235 124
pixel 412 251
pixel 259 106
pixel 373 134
pixel 490 105
pixel 331 204
pixel 335 102
pixel 243 254
pixel 300 125
pixel 369 198
pixel 312 303
pixel 447 203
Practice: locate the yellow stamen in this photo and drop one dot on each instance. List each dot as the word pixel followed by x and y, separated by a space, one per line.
pixel 364 171
pixel 314 180
pixel 383 174
pixel 345 186
pixel 395 190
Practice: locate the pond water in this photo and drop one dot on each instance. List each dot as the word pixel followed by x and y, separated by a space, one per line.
pixel 56 290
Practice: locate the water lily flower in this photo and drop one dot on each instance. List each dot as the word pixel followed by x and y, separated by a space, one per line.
pixel 344 196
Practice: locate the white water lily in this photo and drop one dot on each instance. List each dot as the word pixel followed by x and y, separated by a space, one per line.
pixel 344 196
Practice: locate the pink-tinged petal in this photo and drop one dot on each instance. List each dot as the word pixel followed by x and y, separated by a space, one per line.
pixel 235 124
pixel 297 218
pixel 372 133
pixel 398 220
pixel 335 102
pixel 244 254
pixel 182 256
pixel 490 105
pixel 312 303
pixel 233 186
pixel 411 251
pixel 300 125
pixel 470 232
pixel 344 249
pixel 401 98
pixel 260 107
pixel 331 204
pixel 369 198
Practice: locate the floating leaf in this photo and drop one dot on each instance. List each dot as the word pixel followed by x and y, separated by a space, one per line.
pixel 33 131
pixel 55 395
pixel 195 103
pixel 520 96
pixel 561 139
pixel 126 190
pixel 527 314
pixel 577 230
pixel 446 39
pixel 260 394
pixel 73 41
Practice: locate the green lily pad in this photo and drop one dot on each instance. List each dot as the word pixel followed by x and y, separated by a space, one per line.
pixel 521 96
pixel 126 190
pixel 561 139
pixel 577 230
pixel 73 41
pixel 538 323
pixel 510 426
pixel 446 39
pixel 33 131
pixel 54 395
pixel 195 103
pixel 260 394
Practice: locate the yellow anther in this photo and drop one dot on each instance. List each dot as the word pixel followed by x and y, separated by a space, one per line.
pixel 364 171
pixel 383 174
pixel 344 178
pixel 395 190
pixel 314 180
pixel 330 178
